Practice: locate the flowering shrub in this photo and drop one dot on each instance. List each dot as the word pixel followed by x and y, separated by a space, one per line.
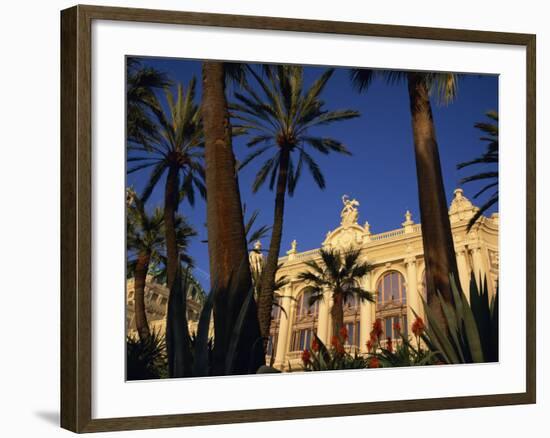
pixel 397 354
pixel 374 362
pixel 418 327
pixel 336 357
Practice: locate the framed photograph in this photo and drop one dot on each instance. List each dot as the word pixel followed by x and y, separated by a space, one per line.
pixel 269 219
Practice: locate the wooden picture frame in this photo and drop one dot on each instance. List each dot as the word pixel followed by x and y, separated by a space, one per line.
pixel 76 217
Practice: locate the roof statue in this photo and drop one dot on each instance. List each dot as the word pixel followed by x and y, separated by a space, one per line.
pixel 349 213
pixel 256 257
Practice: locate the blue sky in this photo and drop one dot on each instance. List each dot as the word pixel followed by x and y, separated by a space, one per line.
pixel 381 174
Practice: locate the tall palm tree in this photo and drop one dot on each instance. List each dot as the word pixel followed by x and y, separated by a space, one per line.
pixel 280 120
pixel 145 247
pixel 340 273
pixel 178 152
pixel 490 158
pixel 439 254
pixel 142 82
pixel 227 247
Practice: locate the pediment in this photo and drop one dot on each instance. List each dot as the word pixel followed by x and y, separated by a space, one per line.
pixel 345 237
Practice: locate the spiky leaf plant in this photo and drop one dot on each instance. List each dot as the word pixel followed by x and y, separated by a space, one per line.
pixel 471 335
pixel 146 358
pixel 202 344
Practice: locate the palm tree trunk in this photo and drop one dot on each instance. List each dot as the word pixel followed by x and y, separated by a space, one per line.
pixel 337 313
pixel 171 201
pixel 178 342
pixel 229 266
pixel 439 254
pixel 140 276
pixel 265 301
pixel 177 331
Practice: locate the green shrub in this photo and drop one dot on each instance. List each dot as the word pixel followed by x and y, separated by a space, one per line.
pixel 398 354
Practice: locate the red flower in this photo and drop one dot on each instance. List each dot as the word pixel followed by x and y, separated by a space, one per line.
pixel 369 345
pixel 418 326
pixel 374 362
pixel 306 356
pixel 377 328
pixel 315 345
pixel 389 345
pixel 335 342
pixel 373 337
pixel 344 332
pixel 397 328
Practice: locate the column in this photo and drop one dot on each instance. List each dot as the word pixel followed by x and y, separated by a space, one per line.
pixel 322 320
pixel 413 299
pixel 366 313
pixel 478 267
pixel 284 325
pixel 463 271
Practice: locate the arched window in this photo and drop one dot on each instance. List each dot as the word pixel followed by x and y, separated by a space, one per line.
pixel 351 320
pixel 305 322
pixel 391 305
pixel 391 289
pixel 303 308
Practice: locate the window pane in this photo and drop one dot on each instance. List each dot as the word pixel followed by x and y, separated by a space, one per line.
pixel 387 287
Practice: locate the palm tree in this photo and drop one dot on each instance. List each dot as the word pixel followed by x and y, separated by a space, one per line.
pixel 439 254
pixel 227 247
pixel 178 151
pixel 193 289
pixel 340 273
pixel 145 248
pixel 142 82
pixel 280 120
pixel 490 157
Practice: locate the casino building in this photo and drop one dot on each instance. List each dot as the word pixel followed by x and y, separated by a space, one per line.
pixel 396 278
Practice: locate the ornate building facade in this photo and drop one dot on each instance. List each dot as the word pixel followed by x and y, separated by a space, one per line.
pixel 396 279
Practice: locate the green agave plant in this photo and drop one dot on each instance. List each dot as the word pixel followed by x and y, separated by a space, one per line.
pixel 146 359
pixel 471 335
pixel 202 344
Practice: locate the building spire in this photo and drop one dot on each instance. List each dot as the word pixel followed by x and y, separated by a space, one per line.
pixel 408 224
pixel 293 249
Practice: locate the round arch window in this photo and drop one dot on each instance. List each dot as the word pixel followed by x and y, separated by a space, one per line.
pixel 391 289
pixel 303 308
